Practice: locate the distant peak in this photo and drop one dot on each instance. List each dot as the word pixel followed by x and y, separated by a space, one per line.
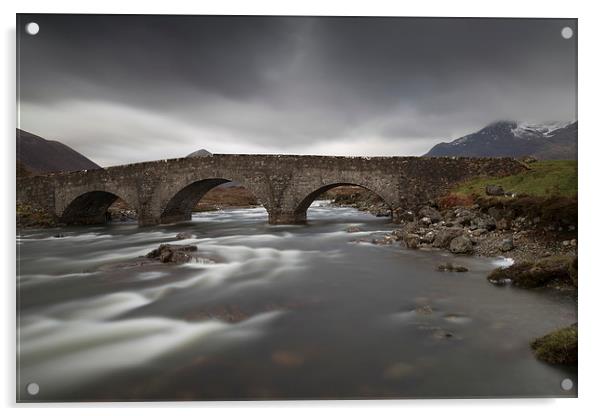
pixel 200 153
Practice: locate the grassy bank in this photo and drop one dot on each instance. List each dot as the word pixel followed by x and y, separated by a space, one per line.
pixel 550 178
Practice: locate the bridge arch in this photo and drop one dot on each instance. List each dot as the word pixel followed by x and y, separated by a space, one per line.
pixel 178 204
pixel 90 207
pixel 300 211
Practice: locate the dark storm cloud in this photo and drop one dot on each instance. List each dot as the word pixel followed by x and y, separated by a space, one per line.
pixel 131 88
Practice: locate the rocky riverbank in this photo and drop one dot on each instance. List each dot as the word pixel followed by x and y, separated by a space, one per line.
pixel 520 228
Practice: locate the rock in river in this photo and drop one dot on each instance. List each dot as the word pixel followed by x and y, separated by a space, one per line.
pixel 461 245
pixel 411 240
pixel 450 267
pixel 172 253
pixel 184 235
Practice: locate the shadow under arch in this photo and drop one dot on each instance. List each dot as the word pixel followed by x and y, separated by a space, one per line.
pixel 180 205
pixel 301 210
pixel 90 208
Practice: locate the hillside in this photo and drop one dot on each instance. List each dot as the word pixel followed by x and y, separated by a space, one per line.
pixel 555 141
pixel 552 178
pixel 38 155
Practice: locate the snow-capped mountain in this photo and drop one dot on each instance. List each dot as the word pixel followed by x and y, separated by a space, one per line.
pixel 509 138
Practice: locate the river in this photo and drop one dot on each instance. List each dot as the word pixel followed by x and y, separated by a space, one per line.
pixel 280 312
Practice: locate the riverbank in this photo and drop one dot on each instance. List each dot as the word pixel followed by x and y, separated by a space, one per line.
pixel 524 217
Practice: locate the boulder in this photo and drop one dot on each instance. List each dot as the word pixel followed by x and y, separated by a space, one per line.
pixel 426 221
pixel 464 216
pixel 494 190
pixel 484 221
pixel 172 253
pixel 446 235
pixel 461 245
pixel 353 229
pixel 550 270
pixel 430 212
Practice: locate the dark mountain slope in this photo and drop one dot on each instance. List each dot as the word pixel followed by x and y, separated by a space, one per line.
pixel 38 155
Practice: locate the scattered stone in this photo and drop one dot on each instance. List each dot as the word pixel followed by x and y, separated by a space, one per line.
pixel 446 235
pixel 411 240
pixel 407 216
pixel 184 235
pixel 429 237
pixel 353 229
pixel 486 222
pixel 566 243
pixel 573 242
pixel 450 267
pixel 172 253
pixel 503 224
pixel 461 245
pixel 507 244
pixel 479 232
pixel 494 190
pixel 58 236
pixel 385 241
pixel 424 310
pixel 426 221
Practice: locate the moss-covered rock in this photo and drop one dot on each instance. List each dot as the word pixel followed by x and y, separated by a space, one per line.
pixel 557 347
pixel 554 270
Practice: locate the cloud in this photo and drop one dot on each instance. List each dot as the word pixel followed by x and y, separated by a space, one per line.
pixel 121 89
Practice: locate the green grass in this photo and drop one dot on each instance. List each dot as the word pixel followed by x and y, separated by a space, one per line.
pixel 546 178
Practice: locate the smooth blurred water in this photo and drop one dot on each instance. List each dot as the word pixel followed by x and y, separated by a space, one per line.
pixel 280 312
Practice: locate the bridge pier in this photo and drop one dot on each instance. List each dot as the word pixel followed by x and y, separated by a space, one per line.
pixel 286 217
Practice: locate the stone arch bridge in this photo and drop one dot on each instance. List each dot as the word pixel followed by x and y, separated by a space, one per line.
pixel 166 191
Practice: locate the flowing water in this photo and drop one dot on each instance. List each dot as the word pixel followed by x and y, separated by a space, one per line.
pixel 277 312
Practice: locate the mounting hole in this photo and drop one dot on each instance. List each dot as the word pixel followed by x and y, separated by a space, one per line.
pixel 33 389
pixel 566 384
pixel 566 32
pixel 32 28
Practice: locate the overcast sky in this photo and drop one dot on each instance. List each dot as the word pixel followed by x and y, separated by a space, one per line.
pixel 123 89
